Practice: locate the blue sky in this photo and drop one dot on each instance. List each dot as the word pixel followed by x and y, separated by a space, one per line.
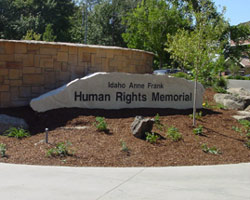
pixel 237 11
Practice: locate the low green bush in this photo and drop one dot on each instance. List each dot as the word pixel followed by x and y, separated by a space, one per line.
pixel 17 133
pixel 212 150
pixel 61 149
pixel 198 130
pixel 2 150
pixel 151 137
pixel 174 134
pixel 101 124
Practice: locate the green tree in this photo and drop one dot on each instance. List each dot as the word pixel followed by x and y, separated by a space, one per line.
pixel 202 46
pixel 149 24
pixel 48 35
pixel 19 16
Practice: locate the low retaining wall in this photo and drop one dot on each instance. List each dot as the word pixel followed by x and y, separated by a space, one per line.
pixel 31 68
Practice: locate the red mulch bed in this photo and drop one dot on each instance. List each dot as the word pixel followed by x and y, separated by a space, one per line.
pixel 94 148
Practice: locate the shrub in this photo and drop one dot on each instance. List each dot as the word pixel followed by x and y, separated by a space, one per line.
pixel 2 150
pixel 61 149
pixel 247 144
pixel 182 75
pixel 158 122
pixel 101 124
pixel 174 134
pixel 17 133
pixel 198 131
pixel 124 146
pixel 151 137
pixel 212 150
pixel 198 115
pixel 220 90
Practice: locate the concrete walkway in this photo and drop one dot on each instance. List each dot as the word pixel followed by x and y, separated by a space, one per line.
pixel 21 182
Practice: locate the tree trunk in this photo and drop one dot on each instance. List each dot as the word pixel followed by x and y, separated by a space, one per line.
pixel 194 104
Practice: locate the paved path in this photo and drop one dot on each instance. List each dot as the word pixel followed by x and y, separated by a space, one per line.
pixel 222 182
pixel 239 83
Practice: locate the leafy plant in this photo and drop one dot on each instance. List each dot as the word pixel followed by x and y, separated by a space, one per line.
pixel 198 115
pixel 101 124
pixel 212 150
pixel 174 134
pixel 2 150
pixel 220 106
pixel 124 146
pixel 158 122
pixel 220 89
pixel 206 105
pixel 237 129
pixel 17 132
pixel 151 137
pixel 198 130
pixel 61 149
pixel 247 144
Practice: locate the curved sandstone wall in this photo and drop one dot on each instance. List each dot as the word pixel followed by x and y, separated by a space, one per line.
pixel 31 68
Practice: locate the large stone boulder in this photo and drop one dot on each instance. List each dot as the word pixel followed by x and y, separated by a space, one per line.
pixel 121 90
pixel 230 101
pixel 237 98
pixel 140 126
pixel 242 115
pixel 7 121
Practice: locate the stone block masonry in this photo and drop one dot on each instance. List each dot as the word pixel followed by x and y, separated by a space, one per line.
pixel 31 68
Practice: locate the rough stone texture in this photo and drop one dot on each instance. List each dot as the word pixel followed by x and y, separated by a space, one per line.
pixel 230 101
pixel 48 65
pixel 248 108
pixel 7 121
pixel 121 90
pixel 140 126
pixel 242 115
pixel 239 91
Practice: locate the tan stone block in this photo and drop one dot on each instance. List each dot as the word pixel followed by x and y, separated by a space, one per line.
pixel 89 50
pixel 14 74
pixel 85 57
pixel 9 48
pixel 6 82
pixel 73 59
pixel 46 63
pixel 5 97
pixel 96 60
pixel 4 72
pixel 15 82
pixel 73 50
pixel 64 76
pixel 20 48
pixel 57 65
pixel 2 65
pixel 33 79
pixel 33 48
pixel 37 90
pixel 64 67
pixel 102 53
pixel 2 50
pixel 63 48
pixel 6 58
pixel 14 65
pixel 48 51
pixel 14 91
pixel 110 53
pixel 4 88
pixel 29 60
pixel 25 92
pixel 62 56
pixel 29 70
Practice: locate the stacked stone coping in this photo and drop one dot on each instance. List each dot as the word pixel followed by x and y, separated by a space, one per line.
pixel 31 68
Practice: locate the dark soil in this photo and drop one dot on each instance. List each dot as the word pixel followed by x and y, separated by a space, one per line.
pixel 94 148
